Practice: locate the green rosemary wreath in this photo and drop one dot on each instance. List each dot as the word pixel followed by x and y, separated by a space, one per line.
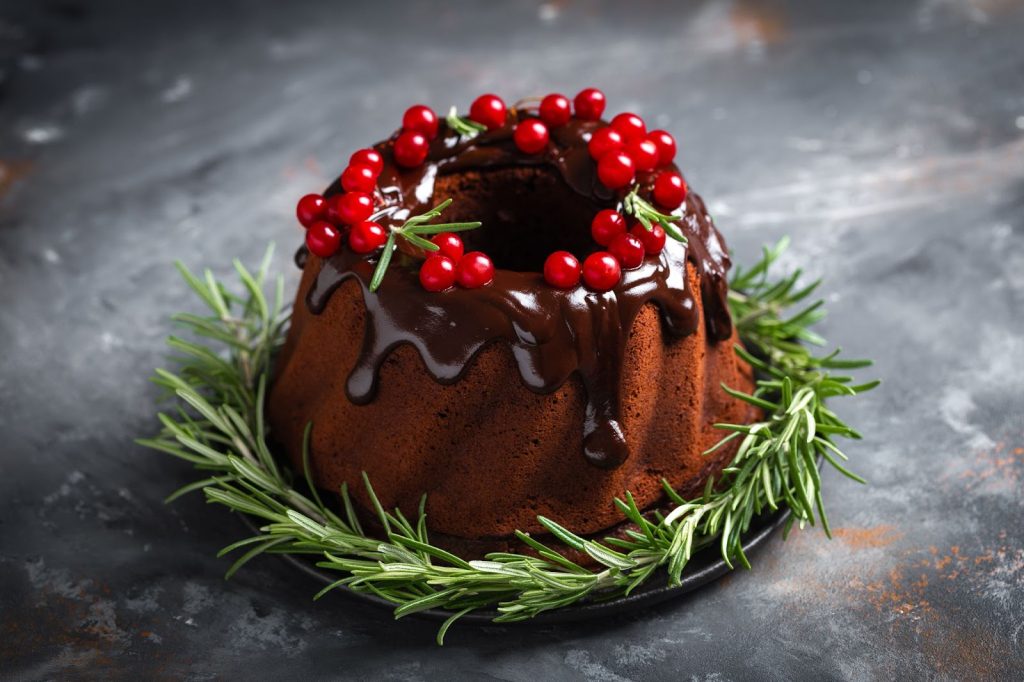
pixel 218 426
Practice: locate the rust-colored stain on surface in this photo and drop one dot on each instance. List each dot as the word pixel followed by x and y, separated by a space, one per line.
pixel 11 172
pixel 924 592
pixel 1001 462
pixel 866 538
pixel 914 597
pixel 81 620
pixel 758 22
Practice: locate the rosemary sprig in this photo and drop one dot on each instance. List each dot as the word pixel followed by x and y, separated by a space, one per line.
pixel 412 231
pixel 218 427
pixel 463 125
pixel 644 212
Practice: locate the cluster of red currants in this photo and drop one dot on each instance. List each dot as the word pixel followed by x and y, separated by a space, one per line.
pixel 326 220
pixel 419 127
pixel 531 135
pixel 450 265
pixel 602 270
pixel 624 147
pixel 621 149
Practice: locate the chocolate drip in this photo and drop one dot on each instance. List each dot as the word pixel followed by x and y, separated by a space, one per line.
pixel 552 332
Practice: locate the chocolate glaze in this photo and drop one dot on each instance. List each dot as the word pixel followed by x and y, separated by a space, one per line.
pixel 552 332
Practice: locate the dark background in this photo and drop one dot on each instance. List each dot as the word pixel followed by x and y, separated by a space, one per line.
pixel 886 137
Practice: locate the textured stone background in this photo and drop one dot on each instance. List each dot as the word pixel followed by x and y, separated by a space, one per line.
pixel 886 138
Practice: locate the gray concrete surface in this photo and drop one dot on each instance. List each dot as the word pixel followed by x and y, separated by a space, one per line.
pixel 887 138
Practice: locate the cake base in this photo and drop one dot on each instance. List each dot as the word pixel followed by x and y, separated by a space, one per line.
pixel 705 567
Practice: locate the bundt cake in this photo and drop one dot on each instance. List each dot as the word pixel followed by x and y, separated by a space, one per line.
pixel 490 368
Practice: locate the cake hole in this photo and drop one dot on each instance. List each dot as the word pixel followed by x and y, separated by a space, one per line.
pixel 527 213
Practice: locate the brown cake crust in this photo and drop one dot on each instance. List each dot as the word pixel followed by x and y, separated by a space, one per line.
pixel 516 398
pixel 489 453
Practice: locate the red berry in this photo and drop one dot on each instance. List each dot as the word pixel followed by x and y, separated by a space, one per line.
pixel 323 239
pixel 411 149
pixel 555 110
pixel 606 226
pixel 420 119
pixel 488 110
pixel 630 125
pixel 670 191
pixel 562 270
pixel 603 141
pixel 652 239
pixel 601 271
pixel 615 170
pixel 349 208
pixel 358 178
pixel 310 209
pixel 368 157
pixel 450 245
pixel 628 250
pixel 589 104
pixel 666 146
pixel 475 269
pixel 531 136
pixel 644 153
pixel 367 236
pixel 331 205
pixel 437 273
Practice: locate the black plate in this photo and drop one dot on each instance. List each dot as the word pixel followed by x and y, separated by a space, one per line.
pixel 704 567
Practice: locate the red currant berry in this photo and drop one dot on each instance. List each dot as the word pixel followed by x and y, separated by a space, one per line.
pixel 601 271
pixel 437 273
pixel 310 209
pixel 628 250
pixel 562 270
pixel 603 141
pixel 615 170
pixel 358 178
pixel 630 125
pixel 420 119
pixel 666 146
pixel 331 206
pixel 670 191
pixel 589 104
pixel 488 110
pixel 349 208
pixel 644 154
pixel 555 110
pixel 531 136
pixel 367 236
pixel 652 239
pixel 411 149
pixel 449 244
pixel 606 226
pixel 475 269
pixel 367 157
pixel 323 239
